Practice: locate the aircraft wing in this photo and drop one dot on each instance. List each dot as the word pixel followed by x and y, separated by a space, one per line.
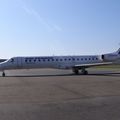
pixel 80 66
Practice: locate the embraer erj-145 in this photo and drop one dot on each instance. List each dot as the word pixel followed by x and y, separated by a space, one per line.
pixel 75 63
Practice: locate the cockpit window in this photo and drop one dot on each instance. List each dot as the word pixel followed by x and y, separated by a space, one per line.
pixel 12 60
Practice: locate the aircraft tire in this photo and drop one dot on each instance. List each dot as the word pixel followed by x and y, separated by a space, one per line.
pixel 76 71
pixel 3 74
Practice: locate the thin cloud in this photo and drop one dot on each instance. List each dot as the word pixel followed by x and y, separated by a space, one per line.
pixel 58 28
pixel 34 13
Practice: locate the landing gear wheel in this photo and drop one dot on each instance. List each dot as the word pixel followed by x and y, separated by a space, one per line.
pixel 84 72
pixel 76 71
pixel 3 74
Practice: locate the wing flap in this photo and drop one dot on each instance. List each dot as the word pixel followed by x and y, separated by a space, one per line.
pixel 79 66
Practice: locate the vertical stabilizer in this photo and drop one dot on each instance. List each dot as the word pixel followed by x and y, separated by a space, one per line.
pixel 118 51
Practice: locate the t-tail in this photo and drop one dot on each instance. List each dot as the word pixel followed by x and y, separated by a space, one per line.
pixel 118 51
pixel 111 57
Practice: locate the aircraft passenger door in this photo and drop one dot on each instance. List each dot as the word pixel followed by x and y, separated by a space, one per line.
pixel 19 62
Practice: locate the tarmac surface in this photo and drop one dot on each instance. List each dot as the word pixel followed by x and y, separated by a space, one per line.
pixel 59 95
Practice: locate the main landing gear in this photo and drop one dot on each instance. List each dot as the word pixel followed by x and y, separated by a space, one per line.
pixel 3 74
pixel 76 71
pixel 84 72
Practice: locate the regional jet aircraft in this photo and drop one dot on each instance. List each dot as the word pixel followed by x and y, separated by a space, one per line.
pixel 75 63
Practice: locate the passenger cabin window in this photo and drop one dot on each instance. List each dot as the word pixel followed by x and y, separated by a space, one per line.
pixel 73 59
pixel 65 59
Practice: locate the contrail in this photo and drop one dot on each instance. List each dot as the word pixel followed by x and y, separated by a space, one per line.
pixel 34 13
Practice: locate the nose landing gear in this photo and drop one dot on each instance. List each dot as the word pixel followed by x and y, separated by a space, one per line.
pixel 3 74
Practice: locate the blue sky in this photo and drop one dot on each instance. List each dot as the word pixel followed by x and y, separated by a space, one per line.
pixel 58 27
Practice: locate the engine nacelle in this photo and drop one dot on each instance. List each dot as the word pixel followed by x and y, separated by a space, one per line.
pixel 110 57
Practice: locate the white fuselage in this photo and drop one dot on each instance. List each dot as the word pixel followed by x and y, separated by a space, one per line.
pixel 75 63
pixel 58 62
